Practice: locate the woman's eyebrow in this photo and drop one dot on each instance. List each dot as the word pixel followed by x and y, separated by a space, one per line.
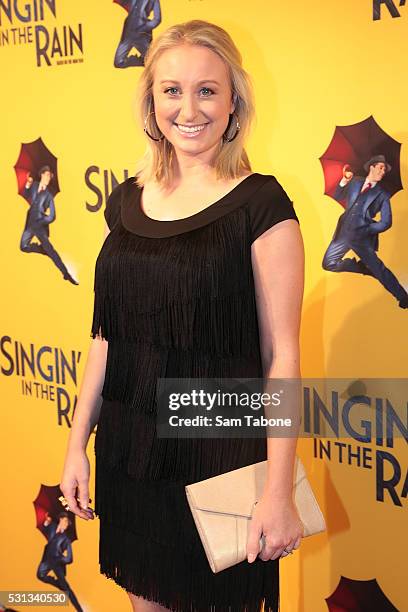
pixel 199 82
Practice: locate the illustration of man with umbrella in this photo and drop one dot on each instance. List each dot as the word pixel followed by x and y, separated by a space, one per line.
pixel 38 221
pixel 137 31
pixel 357 229
pixel 54 557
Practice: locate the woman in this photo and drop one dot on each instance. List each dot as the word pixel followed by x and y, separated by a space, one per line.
pixel 193 280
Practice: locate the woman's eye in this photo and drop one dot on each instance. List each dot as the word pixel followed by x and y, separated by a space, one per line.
pixel 170 89
pixel 207 89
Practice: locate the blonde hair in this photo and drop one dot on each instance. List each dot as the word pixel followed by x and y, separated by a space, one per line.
pixel 231 158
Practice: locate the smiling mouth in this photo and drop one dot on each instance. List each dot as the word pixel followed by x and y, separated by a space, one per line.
pixel 190 128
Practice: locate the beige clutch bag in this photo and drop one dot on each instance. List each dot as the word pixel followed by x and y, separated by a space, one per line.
pixel 222 508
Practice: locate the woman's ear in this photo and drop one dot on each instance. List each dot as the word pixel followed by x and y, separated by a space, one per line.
pixel 234 101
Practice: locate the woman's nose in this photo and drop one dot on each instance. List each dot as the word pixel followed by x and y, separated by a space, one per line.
pixel 188 108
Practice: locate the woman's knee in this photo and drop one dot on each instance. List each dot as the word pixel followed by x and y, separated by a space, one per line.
pixel 139 604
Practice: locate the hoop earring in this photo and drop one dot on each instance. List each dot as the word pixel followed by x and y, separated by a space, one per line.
pixel 224 137
pixel 146 131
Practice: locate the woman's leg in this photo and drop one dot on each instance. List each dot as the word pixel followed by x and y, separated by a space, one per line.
pixel 143 605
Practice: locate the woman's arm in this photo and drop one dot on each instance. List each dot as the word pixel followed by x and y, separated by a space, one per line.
pixel 278 265
pixel 89 399
pixel 278 268
pixel 86 416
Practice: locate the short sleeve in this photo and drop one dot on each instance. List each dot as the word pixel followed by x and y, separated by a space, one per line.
pixel 113 204
pixel 269 205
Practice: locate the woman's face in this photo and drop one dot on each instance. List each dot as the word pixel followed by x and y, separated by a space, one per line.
pixel 192 98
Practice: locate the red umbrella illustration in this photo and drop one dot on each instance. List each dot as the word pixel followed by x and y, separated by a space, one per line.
pixel 354 145
pixel 47 502
pixel 33 156
pixel 123 3
pixel 359 596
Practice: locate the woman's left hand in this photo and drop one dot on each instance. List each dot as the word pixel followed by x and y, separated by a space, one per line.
pixel 278 520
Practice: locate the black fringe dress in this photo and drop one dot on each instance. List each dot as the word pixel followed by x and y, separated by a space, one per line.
pixel 176 299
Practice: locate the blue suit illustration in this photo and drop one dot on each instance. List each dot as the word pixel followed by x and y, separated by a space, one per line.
pixel 38 222
pixel 41 201
pixel 54 557
pixel 137 32
pixel 357 230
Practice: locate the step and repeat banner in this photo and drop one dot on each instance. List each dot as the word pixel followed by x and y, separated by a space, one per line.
pixel 331 99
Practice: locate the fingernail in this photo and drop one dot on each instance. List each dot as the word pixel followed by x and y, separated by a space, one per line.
pixel 251 557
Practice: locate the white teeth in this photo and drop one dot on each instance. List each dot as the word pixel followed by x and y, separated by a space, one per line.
pixel 196 128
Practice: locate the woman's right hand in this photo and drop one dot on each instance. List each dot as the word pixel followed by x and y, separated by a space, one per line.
pixel 75 481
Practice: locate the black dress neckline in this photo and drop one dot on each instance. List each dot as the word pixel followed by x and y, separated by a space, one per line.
pixel 135 220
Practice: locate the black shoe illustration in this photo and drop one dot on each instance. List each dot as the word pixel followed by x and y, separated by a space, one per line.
pixel 403 303
pixel 72 280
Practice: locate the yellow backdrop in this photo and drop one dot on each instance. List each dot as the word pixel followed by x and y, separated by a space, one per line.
pixel 314 65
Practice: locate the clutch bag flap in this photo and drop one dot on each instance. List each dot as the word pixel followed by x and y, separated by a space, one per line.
pixel 222 508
